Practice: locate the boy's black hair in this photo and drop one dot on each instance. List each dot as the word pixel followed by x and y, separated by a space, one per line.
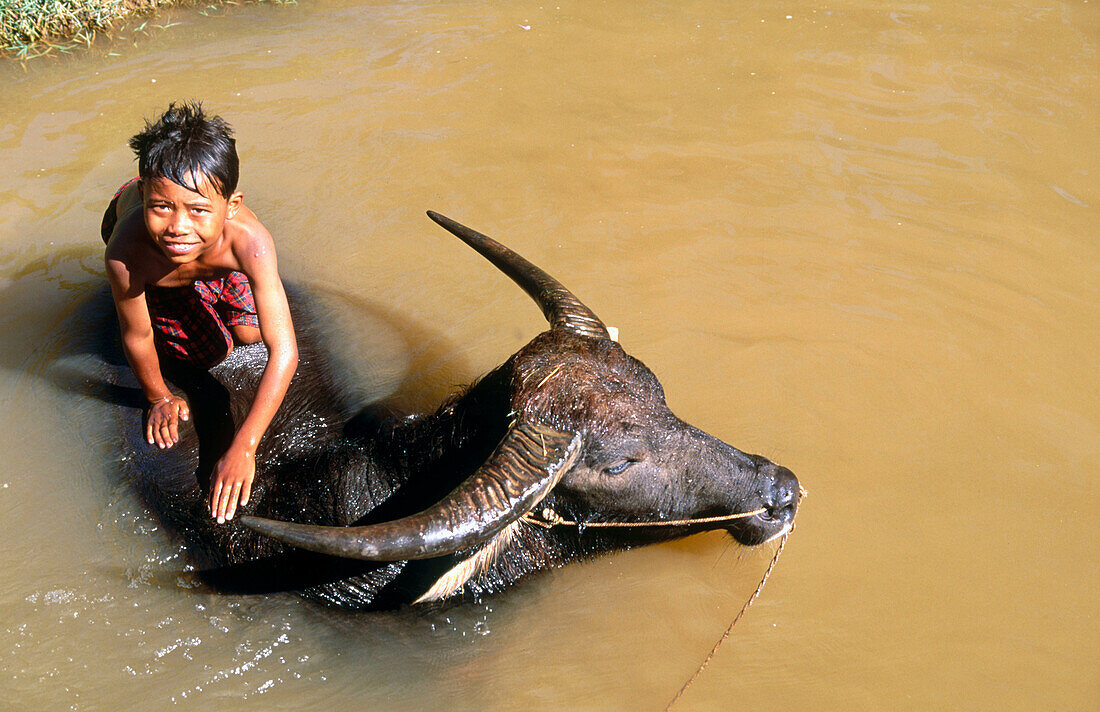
pixel 184 141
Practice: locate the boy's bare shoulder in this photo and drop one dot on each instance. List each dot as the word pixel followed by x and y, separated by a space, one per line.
pixel 128 247
pixel 251 242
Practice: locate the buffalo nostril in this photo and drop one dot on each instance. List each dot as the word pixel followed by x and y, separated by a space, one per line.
pixel 784 490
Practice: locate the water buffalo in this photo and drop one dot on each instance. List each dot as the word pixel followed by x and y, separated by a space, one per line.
pixel 367 511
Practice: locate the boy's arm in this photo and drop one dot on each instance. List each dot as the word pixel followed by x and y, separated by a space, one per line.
pixel 165 409
pixel 232 479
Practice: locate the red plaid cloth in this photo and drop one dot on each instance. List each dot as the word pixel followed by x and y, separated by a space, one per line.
pixel 192 323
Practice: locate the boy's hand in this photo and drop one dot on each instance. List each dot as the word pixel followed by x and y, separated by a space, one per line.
pixel 232 481
pixel 162 429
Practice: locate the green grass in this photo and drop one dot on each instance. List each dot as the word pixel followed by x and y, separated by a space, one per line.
pixel 31 28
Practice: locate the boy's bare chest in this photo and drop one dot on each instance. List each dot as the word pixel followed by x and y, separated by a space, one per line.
pixel 183 275
pixel 186 277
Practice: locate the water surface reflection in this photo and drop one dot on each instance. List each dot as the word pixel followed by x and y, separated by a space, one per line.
pixel 860 242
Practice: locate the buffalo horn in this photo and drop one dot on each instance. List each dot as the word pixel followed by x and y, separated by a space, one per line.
pixel 561 308
pixel 525 466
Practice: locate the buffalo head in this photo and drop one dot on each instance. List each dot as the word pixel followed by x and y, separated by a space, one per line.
pixel 589 430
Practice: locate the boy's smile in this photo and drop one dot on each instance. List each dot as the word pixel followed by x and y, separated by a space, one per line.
pixel 185 224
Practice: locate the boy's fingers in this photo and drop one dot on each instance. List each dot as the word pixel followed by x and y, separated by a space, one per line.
pixel 246 492
pixel 173 432
pixel 223 506
pixel 214 497
pixel 233 494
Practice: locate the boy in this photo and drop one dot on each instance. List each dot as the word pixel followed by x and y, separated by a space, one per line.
pixel 192 272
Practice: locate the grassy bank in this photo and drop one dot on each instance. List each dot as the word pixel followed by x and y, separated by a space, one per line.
pixel 29 28
pixel 32 27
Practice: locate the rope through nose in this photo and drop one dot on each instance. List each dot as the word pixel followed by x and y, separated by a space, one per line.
pixel 550 518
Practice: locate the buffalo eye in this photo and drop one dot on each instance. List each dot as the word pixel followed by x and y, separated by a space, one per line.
pixel 619 468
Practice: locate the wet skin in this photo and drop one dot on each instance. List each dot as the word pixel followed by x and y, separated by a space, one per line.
pixel 169 236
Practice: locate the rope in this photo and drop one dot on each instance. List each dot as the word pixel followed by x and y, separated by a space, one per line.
pixel 550 518
pixel 706 661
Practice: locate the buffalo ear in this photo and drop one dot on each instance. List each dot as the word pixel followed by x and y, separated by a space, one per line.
pixel 471 567
pixel 525 466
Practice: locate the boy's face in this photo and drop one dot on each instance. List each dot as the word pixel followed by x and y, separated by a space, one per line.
pixel 185 224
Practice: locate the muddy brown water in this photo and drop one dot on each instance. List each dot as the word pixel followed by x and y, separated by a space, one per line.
pixel 861 240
